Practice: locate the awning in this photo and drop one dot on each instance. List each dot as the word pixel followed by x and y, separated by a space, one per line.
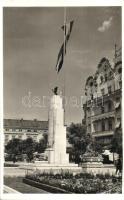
pixel 117 104
pixel 110 155
pixel 106 152
pixel 117 125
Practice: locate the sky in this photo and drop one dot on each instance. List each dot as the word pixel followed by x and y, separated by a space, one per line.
pixel 32 38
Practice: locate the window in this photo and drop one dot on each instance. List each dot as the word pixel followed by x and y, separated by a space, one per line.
pixel 109 89
pixel 20 130
pixel 109 106
pixel 28 130
pixel 35 130
pixel 6 129
pixel 103 126
pixel 102 109
pixel 102 91
pixel 13 136
pixel 110 125
pixel 13 129
pixel 95 127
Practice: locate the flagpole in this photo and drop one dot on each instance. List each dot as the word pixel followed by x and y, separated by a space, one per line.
pixel 64 55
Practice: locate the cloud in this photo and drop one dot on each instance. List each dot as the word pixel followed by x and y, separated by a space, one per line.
pixel 105 25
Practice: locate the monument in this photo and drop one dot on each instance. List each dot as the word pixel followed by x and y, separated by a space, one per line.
pixel 57 132
pixel 58 159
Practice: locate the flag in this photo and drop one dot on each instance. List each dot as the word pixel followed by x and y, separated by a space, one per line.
pixel 60 59
pixel 67 31
pixel 67 28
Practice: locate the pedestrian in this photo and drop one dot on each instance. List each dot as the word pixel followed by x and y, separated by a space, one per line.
pixel 119 166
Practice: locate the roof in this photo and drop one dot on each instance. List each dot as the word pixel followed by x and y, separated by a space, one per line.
pixel 25 124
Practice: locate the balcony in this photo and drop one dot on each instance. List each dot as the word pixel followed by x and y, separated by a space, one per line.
pixel 103 133
pixel 105 97
pixel 103 116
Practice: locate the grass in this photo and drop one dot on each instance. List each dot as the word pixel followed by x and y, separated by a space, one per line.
pixel 17 184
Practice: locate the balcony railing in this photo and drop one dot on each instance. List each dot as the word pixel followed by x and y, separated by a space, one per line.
pixel 103 133
pixel 99 100
pixel 103 116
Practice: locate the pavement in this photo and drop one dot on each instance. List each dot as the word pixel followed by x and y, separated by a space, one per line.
pixel 14 171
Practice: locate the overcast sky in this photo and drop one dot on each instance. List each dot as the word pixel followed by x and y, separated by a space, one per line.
pixel 32 38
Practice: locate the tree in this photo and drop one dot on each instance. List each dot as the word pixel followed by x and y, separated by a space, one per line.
pixel 14 148
pixel 29 147
pixel 81 141
pixel 42 145
pixel 76 134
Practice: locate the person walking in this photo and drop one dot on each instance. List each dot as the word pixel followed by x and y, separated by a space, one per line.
pixel 119 166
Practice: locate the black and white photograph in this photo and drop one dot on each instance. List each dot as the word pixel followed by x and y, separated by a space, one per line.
pixel 62 100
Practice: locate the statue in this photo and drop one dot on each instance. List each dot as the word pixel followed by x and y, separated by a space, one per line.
pixel 55 90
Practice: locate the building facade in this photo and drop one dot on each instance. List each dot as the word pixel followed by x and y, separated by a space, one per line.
pixel 23 129
pixel 103 91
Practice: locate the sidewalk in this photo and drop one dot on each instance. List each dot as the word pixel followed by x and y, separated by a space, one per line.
pixel 9 190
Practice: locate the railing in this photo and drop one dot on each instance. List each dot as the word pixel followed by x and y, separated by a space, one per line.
pixel 100 99
pixel 103 115
pixel 103 133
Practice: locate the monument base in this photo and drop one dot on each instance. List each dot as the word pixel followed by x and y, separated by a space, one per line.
pixel 98 168
pixel 57 158
pixel 55 168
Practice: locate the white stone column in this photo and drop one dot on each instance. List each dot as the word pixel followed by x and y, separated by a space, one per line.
pixel 57 132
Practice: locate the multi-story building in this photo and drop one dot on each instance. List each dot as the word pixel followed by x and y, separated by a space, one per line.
pixel 22 129
pixel 103 90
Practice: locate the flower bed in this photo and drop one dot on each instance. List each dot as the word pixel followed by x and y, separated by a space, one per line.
pixel 10 165
pixel 80 183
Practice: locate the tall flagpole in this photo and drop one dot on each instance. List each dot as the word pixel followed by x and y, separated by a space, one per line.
pixel 64 55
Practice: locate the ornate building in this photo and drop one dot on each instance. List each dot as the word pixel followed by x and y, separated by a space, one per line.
pixel 103 90
pixel 22 129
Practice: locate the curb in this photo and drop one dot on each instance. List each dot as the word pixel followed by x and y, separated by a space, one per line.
pixel 48 188
pixel 10 190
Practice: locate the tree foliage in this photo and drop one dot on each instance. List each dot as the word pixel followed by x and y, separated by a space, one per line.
pixel 81 141
pixel 77 137
pixel 42 145
pixel 14 146
pixel 17 147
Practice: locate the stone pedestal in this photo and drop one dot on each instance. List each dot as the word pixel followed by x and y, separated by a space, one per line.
pixel 91 164
pixel 57 133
